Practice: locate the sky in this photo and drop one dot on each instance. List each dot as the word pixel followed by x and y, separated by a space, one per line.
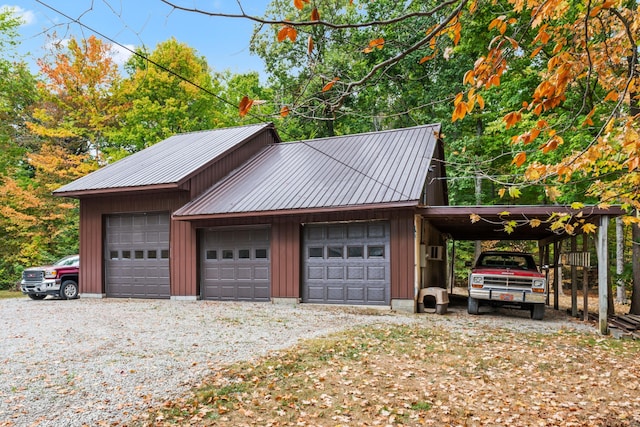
pixel 223 41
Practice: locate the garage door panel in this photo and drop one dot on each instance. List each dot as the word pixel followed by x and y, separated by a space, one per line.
pixel 227 273
pixel 356 293
pixel 376 294
pixel 261 273
pixel 315 273
pixel 376 273
pixel 241 257
pixel 137 255
pixel 244 273
pixel 315 293
pixel 346 263
pixel 334 273
pixel 355 273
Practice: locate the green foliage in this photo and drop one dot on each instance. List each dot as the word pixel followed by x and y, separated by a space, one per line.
pixel 171 93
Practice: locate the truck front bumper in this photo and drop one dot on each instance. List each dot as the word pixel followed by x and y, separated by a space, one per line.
pixel 46 287
pixel 508 296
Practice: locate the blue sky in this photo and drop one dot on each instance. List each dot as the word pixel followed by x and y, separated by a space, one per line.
pixel 223 41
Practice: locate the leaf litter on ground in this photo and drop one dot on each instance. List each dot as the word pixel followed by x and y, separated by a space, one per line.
pixel 423 375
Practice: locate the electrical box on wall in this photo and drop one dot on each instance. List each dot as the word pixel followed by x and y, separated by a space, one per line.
pixel 435 253
pixel 431 253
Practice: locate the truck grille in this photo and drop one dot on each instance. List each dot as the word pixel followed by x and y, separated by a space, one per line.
pixel 33 276
pixel 507 281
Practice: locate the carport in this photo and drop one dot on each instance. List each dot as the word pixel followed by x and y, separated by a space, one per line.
pixel 525 222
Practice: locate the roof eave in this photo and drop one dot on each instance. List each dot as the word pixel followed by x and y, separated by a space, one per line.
pixel 304 211
pixel 122 190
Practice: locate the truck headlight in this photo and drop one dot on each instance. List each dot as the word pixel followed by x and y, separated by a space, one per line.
pixel 538 285
pixel 477 281
pixel 50 274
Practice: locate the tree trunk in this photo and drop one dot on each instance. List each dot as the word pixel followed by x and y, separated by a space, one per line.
pixel 635 295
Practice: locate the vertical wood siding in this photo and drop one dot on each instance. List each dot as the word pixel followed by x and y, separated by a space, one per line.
pixel 285 259
pixel 183 261
pixel 402 255
pixel 91 259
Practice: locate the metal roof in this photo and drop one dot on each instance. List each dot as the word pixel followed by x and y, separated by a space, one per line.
pixel 165 164
pixel 378 168
pixel 488 222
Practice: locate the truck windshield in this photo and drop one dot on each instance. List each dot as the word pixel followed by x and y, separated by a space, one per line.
pixel 516 262
pixel 68 260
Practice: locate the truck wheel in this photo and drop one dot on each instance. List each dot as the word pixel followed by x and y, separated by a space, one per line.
pixel 537 311
pixel 37 296
pixel 474 306
pixel 69 289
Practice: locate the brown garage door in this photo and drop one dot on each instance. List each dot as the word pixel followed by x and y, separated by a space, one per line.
pixel 347 263
pixel 236 264
pixel 137 255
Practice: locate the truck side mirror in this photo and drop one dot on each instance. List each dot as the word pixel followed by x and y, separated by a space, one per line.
pixel 467 264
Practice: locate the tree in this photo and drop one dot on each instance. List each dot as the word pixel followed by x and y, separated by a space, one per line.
pixel 168 91
pixel 77 101
pixel 17 94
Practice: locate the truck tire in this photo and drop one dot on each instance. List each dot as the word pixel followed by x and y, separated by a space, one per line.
pixel 69 289
pixel 537 311
pixel 37 297
pixel 474 306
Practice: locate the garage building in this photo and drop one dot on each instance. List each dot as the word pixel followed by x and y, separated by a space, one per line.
pixel 236 214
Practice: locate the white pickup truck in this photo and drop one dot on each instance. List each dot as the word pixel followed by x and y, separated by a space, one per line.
pixel 507 279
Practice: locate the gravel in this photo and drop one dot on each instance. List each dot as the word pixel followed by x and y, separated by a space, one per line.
pixel 98 362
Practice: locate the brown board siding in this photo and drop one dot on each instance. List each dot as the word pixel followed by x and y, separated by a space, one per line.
pixel 183 261
pixel 402 256
pixel 285 259
pixel 91 259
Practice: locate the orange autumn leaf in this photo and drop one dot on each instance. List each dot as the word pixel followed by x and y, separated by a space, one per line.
pixel 427 58
pixel 329 85
pixel 519 159
pixel 287 32
pixel 245 105
pixel 374 44
pixel 512 118
pixel 315 15
pixel 310 45
pixel 611 96
pixel 459 112
pixel 299 4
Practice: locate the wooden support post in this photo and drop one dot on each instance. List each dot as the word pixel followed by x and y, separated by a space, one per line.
pixel 556 275
pixel 585 281
pixel 574 280
pixel 603 271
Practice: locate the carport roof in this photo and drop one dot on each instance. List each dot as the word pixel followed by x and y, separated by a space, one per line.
pixel 488 222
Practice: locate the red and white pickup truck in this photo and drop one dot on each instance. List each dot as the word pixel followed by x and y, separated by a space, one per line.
pixel 59 279
pixel 507 279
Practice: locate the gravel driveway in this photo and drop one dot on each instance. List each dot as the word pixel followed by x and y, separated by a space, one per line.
pixel 97 362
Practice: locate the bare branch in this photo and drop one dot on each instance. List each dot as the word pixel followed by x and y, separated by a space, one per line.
pixel 327 24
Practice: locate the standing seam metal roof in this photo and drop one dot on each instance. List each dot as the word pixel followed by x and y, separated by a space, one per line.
pixel 371 168
pixel 167 162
